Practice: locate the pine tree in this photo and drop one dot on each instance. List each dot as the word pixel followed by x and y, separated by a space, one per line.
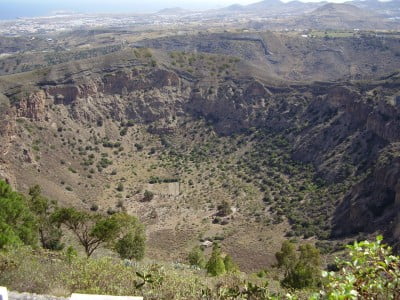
pixel 17 223
pixel 215 265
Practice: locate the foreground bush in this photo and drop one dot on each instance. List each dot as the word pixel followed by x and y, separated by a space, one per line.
pixel 372 272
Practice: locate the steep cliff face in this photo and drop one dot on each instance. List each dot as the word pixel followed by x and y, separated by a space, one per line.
pixel 336 134
pixel 384 122
pixel 373 204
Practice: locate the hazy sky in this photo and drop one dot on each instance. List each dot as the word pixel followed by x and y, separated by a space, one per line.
pixel 10 9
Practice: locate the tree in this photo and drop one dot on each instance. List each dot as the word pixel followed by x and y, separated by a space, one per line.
pixel 215 265
pixel 196 257
pixel 230 265
pixel 306 272
pixel 131 246
pixel 286 257
pixel 301 270
pixel 17 223
pixel 49 232
pixel 92 230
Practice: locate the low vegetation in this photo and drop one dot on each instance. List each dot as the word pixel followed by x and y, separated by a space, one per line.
pixel 369 270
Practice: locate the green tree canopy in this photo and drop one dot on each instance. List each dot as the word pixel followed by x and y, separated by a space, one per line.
pixel 131 246
pixel 131 240
pixel 306 271
pixel 286 257
pixel 94 230
pixel 17 223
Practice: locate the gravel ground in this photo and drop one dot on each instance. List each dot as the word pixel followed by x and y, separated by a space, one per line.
pixel 28 296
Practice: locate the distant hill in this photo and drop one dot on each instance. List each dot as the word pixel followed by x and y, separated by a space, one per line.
pixel 342 16
pixel 273 7
pixel 278 8
pixel 342 10
pixel 173 11
pixel 387 8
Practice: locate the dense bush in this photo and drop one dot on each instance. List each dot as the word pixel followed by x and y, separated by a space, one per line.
pixel 224 209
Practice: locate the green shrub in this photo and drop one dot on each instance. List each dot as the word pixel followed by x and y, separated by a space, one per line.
pixel 148 196
pixel 28 270
pixel 196 257
pixel 224 209
pixel 139 147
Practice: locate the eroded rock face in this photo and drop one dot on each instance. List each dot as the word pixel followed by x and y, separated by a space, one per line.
pixel 372 205
pixel 384 121
pixel 162 78
pixel 64 94
pixel 33 106
pixel 342 122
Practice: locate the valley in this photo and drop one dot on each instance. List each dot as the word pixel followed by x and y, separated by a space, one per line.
pixel 284 154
